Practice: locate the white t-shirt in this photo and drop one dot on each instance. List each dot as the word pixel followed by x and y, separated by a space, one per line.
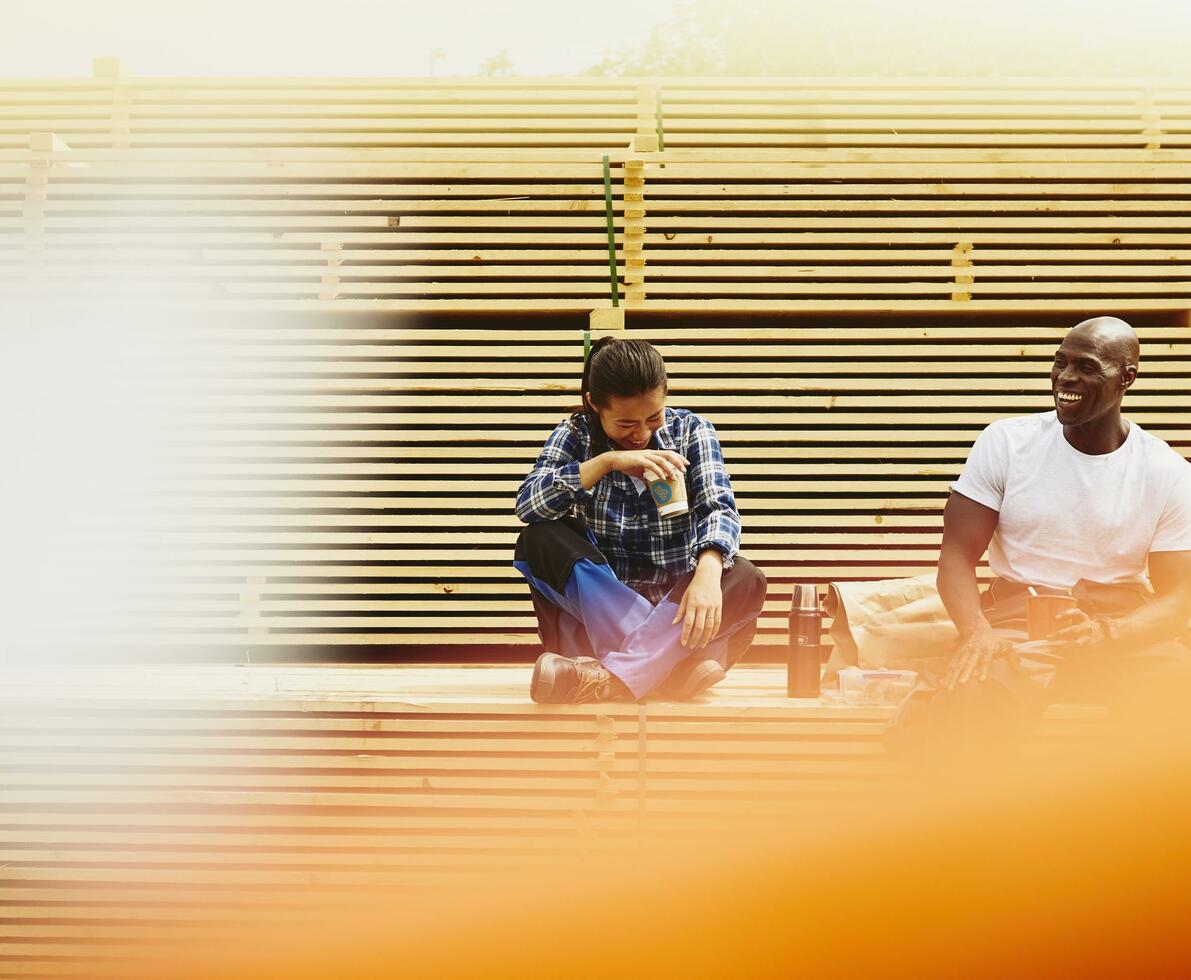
pixel 1066 516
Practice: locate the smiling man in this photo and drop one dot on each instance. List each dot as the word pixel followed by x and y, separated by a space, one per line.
pixel 1077 501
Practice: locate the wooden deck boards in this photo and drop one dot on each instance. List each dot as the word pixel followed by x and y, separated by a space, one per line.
pixel 142 805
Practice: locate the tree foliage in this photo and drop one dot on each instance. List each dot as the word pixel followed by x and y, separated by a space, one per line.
pixel 908 37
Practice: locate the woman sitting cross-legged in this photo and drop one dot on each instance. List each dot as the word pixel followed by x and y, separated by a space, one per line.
pixel 630 603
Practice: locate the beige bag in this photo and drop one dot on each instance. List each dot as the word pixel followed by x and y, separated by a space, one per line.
pixel 892 623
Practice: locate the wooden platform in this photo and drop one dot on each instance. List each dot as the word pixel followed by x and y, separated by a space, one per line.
pixel 136 803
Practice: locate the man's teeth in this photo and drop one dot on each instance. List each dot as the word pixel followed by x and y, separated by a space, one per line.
pixel 1069 398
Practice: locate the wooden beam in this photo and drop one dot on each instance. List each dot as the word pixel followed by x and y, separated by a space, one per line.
pixel 41 149
pixel 105 68
pixel 605 318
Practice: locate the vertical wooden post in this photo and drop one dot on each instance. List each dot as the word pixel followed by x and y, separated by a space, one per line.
pixel 645 140
pixel 108 69
pixel 333 256
pixel 634 230
pixel 605 788
pixel 642 768
pixel 1151 121
pixel 605 318
pixel 41 149
pixel 250 605
pixel 105 67
pixel 961 259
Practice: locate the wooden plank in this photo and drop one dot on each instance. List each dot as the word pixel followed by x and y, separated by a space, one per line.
pixel 81 193
pixel 876 331
pixel 399 237
pixel 264 114
pixel 777 305
pixel 1092 165
pixel 314 687
pixel 88 723
pixel 314 769
pixel 327 377
pixel 353 276
pixel 516 202
pixel 561 295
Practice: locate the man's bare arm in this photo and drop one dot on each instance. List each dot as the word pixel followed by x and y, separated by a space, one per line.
pixel 1163 619
pixel 1167 616
pixel 967 529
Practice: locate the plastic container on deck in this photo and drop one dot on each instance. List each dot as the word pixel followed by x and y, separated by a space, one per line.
pixel 859 686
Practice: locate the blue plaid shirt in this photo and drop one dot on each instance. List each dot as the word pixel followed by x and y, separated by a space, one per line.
pixel 645 551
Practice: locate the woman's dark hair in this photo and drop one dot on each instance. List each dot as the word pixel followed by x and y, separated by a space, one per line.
pixel 624 368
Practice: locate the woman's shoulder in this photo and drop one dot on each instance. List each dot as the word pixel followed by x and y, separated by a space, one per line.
pixel 682 416
pixel 572 428
pixel 576 423
pixel 681 421
pixel 687 431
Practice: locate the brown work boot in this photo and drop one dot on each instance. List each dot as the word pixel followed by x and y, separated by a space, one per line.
pixel 561 680
pixel 691 678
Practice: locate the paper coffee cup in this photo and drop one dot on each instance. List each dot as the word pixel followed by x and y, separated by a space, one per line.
pixel 670 496
pixel 1042 611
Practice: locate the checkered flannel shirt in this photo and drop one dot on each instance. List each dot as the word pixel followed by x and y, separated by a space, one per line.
pixel 646 552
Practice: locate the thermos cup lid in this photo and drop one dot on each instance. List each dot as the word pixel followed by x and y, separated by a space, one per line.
pixel 804 597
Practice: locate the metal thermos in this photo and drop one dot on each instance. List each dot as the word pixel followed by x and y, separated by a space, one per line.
pixel 806 631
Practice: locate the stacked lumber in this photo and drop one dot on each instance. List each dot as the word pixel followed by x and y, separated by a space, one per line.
pixel 354 483
pixel 364 230
pixel 448 195
pixel 362 303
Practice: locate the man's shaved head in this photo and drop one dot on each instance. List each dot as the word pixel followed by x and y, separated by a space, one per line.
pixel 1111 335
pixel 1093 368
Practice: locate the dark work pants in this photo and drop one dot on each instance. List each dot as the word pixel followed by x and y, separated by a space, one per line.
pixel 584 610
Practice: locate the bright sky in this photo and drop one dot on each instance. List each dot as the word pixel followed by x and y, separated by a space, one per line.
pixel 315 37
pixel 387 38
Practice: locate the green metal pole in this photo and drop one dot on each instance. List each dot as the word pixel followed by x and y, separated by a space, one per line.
pixel 611 230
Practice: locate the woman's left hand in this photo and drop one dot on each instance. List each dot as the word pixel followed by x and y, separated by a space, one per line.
pixel 701 609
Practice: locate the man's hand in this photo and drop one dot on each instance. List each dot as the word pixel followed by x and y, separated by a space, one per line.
pixel 1081 632
pixel 974 656
pixel 702 607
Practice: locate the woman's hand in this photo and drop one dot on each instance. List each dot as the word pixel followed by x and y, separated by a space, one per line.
pixel 647 464
pixel 702 607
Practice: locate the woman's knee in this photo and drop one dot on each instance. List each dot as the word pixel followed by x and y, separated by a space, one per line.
pixel 549 549
pixel 751 583
pixel 538 532
pixel 543 537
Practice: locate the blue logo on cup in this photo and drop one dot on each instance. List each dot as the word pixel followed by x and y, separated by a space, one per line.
pixel 661 492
